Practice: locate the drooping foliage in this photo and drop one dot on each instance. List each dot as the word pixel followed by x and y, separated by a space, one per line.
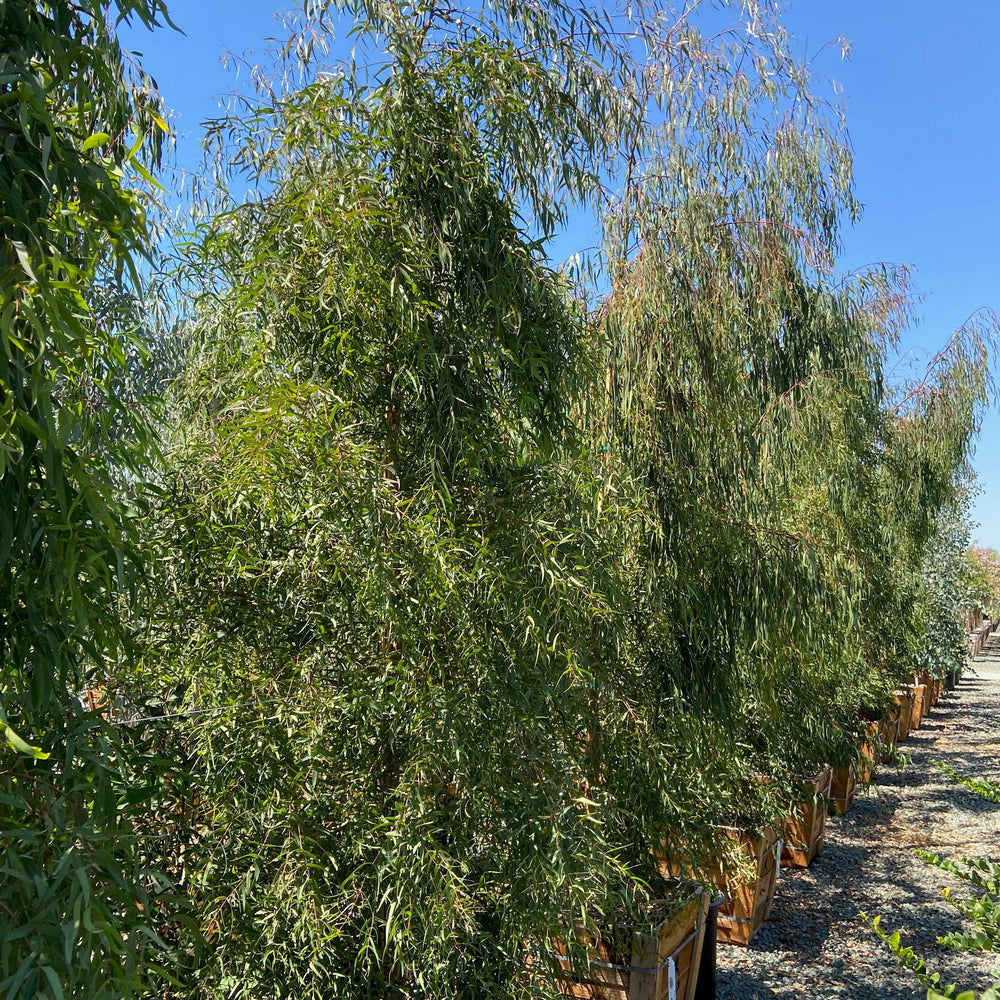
pixel 480 588
pixel 387 415
pixel 79 128
pixel 921 597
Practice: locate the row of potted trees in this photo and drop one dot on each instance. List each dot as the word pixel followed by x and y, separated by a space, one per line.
pixel 457 579
pixel 508 593
pixel 670 960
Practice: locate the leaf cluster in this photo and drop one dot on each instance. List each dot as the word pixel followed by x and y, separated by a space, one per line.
pixel 79 128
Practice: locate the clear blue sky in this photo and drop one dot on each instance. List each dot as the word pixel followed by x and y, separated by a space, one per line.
pixel 923 113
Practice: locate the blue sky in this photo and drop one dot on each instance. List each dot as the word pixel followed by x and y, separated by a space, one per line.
pixel 921 96
pixel 923 114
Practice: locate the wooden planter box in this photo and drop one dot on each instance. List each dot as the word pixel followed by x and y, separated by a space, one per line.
pixel 662 965
pixel 842 787
pixel 925 703
pixel 748 904
pixel 924 679
pixel 933 686
pixel 917 712
pixel 803 832
pixel 888 731
pixel 904 700
pixel 870 755
pixel 978 639
pixel 867 763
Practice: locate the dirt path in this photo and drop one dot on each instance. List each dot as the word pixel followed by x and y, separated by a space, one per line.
pixel 817 945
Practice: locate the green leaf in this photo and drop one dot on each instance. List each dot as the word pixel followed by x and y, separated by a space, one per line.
pixel 21 746
pixel 97 139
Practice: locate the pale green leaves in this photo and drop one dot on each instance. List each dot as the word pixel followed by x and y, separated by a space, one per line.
pixel 98 139
pixel 20 745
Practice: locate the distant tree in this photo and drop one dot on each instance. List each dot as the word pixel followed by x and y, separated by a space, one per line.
pixel 983 576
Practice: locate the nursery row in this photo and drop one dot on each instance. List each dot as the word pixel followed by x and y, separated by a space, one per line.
pixel 448 599
pixel 732 894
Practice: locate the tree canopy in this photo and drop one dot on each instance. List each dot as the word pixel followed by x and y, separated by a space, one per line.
pixel 80 126
pixel 477 590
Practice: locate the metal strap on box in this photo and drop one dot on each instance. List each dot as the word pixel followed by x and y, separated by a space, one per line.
pixel 639 968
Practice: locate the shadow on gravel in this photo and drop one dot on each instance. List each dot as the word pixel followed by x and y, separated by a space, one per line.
pixel 839 858
pixel 799 933
pixel 957 797
pixel 870 810
pixel 792 983
pixel 945 794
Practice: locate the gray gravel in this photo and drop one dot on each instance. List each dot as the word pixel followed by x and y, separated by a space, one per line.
pixel 817 945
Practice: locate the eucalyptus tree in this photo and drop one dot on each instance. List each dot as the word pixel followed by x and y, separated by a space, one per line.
pixel 400 593
pixel 933 423
pixel 474 596
pixel 942 604
pixel 744 390
pixel 80 127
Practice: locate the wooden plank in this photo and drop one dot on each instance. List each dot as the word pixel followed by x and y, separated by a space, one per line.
pixel 646 975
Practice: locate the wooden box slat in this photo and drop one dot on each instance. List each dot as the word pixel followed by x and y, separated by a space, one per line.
pixel 917 706
pixel 748 904
pixel 904 699
pixel 869 757
pixel 645 974
pixel 805 828
pixel 842 787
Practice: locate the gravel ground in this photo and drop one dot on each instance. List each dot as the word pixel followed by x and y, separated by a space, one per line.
pixel 816 945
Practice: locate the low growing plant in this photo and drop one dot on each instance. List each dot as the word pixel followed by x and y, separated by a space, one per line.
pixel 984 787
pixel 982 911
pixel 909 959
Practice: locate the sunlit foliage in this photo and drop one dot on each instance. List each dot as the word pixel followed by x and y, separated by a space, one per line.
pixel 479 584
